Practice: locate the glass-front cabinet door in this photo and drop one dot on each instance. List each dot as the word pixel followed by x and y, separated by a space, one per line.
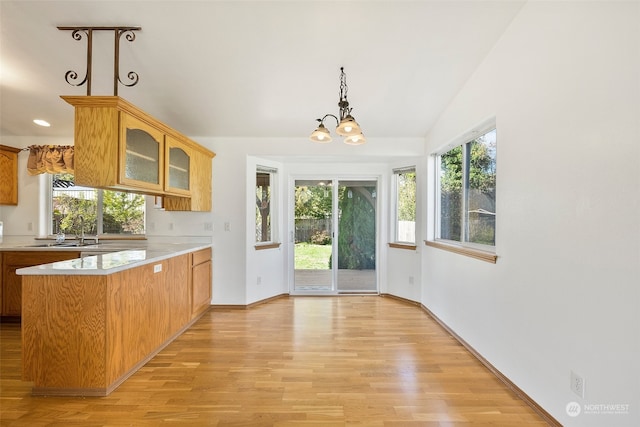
pixel 178 167
pixel 141 154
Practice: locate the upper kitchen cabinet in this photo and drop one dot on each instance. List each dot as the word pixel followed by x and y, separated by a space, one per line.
pixel 8 175
pixel 177 167
pixel 188 166
pixel 120 147
pixel 141 152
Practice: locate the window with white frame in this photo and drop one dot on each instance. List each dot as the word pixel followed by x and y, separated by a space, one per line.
pixel 466 191
pixel 76 209
pixel 405 204
pixel 265 179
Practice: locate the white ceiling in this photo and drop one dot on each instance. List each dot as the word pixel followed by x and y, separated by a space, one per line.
pixel 249 68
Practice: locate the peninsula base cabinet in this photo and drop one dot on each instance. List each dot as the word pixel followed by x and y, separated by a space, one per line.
pixel 83 335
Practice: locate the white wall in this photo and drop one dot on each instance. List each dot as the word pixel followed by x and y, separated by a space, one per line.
pixel 404 267
pixel 265 270
pixel 564 85
pixel 229 225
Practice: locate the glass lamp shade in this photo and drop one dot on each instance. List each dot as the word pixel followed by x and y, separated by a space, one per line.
pixel 321 135
pixel 348 127
pixel 358 139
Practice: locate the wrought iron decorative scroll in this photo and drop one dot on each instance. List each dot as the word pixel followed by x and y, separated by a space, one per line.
pixel 78 33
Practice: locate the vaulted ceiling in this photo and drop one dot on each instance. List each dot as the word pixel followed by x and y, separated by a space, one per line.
pixel 249 68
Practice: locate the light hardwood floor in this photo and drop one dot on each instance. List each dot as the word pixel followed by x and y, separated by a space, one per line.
pixel 297 361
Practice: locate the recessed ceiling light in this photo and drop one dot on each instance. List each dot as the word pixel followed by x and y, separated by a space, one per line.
pixel 40 122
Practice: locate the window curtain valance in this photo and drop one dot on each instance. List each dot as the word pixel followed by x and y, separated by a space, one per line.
pixel 50 159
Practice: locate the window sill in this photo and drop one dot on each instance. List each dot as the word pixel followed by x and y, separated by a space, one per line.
pixel 122 236
pixel 473 253
pixel 407 246
pixel 267 246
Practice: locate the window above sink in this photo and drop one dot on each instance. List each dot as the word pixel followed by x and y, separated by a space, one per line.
pixel 98 212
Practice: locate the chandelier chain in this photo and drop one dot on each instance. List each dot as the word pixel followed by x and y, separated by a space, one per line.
pixel 343 103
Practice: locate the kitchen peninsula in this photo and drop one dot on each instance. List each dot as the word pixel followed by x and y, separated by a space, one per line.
pixel 89 323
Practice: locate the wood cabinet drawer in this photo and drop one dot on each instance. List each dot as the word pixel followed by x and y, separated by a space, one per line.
pixel 201 256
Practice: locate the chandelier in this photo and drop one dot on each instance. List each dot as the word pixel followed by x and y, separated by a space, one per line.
pixel 346 124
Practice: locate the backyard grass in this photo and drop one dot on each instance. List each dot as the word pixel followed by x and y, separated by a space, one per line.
pixel 312 257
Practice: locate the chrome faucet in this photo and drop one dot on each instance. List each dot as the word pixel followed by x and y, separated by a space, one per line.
pixel 60 236
pixel 81 238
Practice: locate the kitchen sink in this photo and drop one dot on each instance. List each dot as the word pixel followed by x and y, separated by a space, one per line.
pixel 61 245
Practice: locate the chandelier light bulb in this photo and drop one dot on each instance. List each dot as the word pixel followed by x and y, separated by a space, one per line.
pixel 348 127
pixel 358 139
pixel 321 135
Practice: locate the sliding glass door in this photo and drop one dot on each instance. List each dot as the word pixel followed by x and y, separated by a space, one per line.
pixel 313 233
pixel 356 266
pixel 335 236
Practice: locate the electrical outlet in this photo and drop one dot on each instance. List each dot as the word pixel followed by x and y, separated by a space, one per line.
pixel 208 226
pixel 411 280
pixel 259 280
pixel 577 384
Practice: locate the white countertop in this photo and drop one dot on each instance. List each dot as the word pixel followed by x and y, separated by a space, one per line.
pixel 111 262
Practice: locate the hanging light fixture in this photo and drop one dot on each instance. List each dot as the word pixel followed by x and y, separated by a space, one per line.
pixel 346 124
